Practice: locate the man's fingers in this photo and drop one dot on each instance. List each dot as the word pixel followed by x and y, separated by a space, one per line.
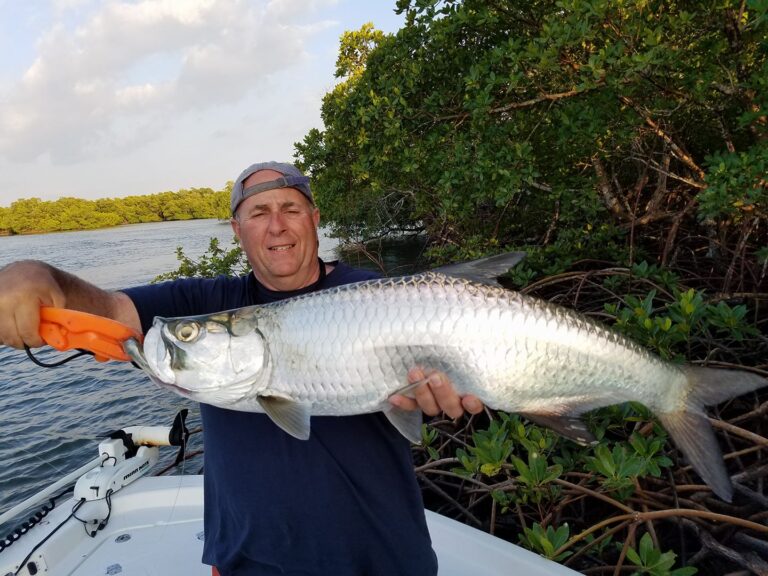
pixel 425 398
pixel 28 326
pixel 24 287
pixel 403 402
pixel 400 400
pixel 28 315
pixel 416 374
pixel 21 327
pixel 436 395
pixel 472 404
pixel 444 396
pixel 9 335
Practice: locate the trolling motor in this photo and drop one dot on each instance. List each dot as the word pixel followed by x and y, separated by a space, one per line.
pixel 125 456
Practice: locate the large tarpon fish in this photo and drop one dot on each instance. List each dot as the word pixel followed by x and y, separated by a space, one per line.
pixel 346 350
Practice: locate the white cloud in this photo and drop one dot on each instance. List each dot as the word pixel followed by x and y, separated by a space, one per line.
pixel 64 5
pixel 121 76
pixel 284 10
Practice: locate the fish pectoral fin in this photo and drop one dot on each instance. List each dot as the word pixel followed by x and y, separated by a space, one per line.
pixel 407 422
pixel 289 415
pixel 410 388
pixel 571 427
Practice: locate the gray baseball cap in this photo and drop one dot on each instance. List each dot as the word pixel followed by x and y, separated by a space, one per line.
pixel 292 178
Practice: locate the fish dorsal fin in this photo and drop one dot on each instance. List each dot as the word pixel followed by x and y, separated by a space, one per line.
pixel 289 415
pixel 407 422
pixel 485 270
pixel 570 427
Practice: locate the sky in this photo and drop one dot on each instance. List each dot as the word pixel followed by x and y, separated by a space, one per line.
pixel 109 98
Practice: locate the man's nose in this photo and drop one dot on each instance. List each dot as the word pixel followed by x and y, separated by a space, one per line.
pixel 276 223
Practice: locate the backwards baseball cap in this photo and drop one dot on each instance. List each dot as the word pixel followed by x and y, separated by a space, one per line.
pixel 292 177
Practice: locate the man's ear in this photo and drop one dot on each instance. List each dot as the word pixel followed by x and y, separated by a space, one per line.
pixel 235 223
pixel 316 217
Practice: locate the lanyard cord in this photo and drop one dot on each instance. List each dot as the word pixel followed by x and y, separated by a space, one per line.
pixel 55 364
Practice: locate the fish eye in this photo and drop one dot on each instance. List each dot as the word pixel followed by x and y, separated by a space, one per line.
pixel 187 331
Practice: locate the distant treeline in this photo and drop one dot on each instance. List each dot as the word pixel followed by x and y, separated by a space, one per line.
pixel 33 215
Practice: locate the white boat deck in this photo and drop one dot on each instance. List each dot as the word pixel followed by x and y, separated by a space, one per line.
pixel 156 529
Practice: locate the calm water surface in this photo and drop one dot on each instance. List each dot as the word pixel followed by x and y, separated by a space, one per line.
pixel 51 419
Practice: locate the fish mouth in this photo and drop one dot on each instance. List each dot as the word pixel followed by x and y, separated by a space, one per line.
pixel 153 366
pixel 135 351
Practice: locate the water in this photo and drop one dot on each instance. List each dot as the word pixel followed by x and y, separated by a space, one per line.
pixel 51 419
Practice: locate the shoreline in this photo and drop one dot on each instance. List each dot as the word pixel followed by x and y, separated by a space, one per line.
pixel 5 232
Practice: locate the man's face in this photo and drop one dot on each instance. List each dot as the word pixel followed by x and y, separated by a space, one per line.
pixel 278 231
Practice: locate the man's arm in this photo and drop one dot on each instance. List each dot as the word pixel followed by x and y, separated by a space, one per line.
pixel 27 285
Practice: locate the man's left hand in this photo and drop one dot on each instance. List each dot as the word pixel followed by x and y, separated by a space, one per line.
pixel 436 395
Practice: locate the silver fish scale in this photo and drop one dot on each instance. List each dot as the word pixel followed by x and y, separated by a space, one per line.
pixel 347 349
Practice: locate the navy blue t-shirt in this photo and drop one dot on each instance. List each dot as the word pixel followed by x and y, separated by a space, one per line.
pixel 343 503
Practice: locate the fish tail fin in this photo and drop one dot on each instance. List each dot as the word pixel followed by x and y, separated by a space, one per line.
pixel 709 386
pixel 693 435
pixel 690 429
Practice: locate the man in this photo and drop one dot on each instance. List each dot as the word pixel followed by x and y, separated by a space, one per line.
pixel 343 503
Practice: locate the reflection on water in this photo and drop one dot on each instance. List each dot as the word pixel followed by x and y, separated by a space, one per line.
pixel 392 257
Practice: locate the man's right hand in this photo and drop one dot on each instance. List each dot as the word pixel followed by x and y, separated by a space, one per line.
pixel 25 286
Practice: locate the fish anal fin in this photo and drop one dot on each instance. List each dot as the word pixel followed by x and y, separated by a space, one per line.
pixel 693 435
pixel 571 427
pixel 291 416
pixel 407 422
